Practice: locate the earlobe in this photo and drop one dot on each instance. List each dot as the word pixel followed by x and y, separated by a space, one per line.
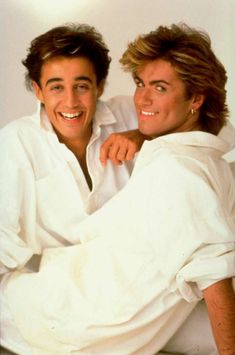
pixel 37 91
pixel 198 101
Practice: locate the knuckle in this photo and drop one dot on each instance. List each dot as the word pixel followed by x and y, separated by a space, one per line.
pixel 111 154
pixel 120 156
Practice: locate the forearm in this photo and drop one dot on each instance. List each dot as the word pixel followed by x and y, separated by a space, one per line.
pixel 220 301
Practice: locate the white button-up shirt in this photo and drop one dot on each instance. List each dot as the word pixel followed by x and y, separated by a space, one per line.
pixel 144 257
pixel 43 192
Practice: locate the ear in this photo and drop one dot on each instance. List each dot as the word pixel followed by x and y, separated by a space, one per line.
pixel 37 91
pixel 197 101
pixel 101 88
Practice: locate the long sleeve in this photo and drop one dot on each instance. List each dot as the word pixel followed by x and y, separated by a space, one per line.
pixel 17 207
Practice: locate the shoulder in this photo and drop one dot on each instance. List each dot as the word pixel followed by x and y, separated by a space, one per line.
pixel 15 127
pixel 172 164
pixel 20 134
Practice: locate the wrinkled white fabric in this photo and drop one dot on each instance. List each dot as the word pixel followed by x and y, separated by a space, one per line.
pixel 200 341
pixel 143 260
pixel 43 192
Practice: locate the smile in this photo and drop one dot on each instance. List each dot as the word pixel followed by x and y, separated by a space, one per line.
pixel 71 116
pixel 147 113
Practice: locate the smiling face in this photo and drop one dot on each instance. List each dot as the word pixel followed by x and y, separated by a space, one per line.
pixel 160 100
pixel 69 91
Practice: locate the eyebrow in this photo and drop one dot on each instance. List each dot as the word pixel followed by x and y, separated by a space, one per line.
pixel 152 82
pixel 77 78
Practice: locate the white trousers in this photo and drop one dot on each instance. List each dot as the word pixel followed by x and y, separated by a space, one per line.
pixel 194 337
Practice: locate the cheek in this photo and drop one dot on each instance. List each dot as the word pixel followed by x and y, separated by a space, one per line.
pixel 172 106
pixel 52 101
pixel 51 109
pixel 182 108
pixel 135 97
pixel 91 101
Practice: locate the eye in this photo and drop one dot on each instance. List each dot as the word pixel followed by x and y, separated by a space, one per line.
pixel 160 88
pixel 82 87
pixel 138 83
pixel 56 88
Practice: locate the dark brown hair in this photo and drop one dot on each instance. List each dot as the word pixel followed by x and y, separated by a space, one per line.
pixel 72 40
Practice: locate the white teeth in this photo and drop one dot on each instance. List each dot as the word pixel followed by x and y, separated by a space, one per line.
pixel 147 113
pixel 71 116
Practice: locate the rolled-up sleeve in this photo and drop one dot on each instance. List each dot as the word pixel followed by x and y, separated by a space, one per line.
pixel 211 263
pixel 194 229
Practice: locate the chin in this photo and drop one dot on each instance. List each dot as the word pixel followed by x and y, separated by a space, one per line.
pixel 147 132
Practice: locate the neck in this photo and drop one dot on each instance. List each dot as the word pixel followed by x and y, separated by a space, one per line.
pixel 78 147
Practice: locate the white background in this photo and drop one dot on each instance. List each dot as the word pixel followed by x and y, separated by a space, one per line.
pixel 119 21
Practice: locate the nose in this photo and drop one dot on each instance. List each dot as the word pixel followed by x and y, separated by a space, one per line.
pixel 143 97
pixel 71 98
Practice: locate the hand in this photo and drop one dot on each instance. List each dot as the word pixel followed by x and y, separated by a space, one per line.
pixel 121 146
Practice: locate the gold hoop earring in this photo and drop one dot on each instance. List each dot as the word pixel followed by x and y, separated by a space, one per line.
pixel 193 111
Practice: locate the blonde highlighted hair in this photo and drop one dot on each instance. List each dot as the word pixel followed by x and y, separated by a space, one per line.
pixel 189 51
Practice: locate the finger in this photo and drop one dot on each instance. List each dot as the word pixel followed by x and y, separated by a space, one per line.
pixel 113 154
pixel 127 152
pixel 130 155
pixel 104 151
pixel 122 152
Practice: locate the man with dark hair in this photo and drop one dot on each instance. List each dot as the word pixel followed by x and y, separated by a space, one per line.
pixel 51 176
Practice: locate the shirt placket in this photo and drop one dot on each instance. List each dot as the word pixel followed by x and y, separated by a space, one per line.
pixel 95 169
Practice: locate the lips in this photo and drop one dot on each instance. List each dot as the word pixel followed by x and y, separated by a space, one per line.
pixel 147 113
pixel 71 116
